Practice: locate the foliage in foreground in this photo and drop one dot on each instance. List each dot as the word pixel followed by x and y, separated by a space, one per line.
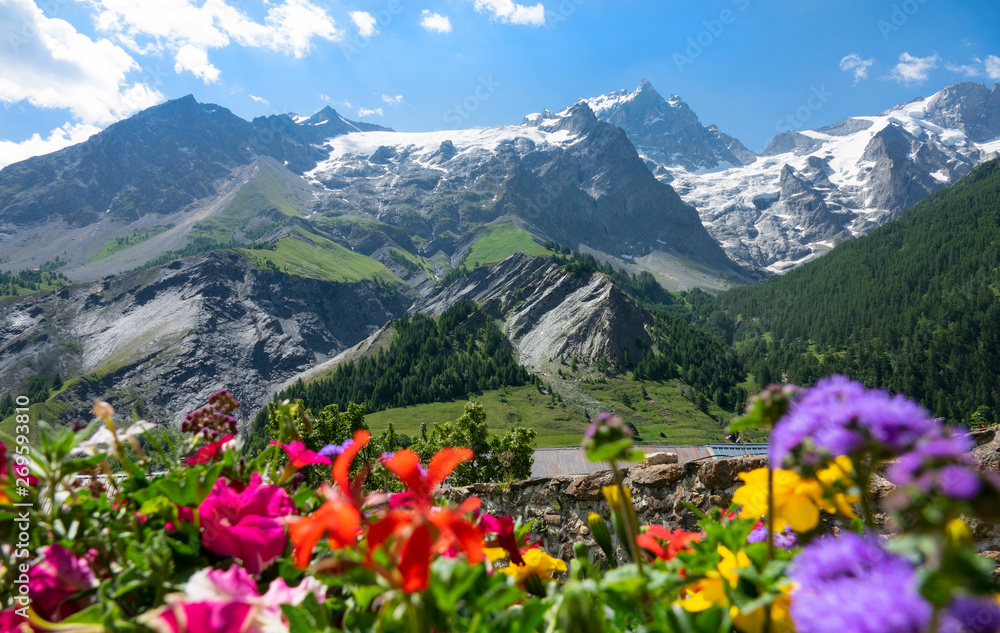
pixel 223 543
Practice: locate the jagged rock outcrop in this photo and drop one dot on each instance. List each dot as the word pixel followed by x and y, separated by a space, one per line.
pixel 551 315
pixel 171 335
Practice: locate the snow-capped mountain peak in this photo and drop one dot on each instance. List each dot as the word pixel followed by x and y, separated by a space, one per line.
pixel 667 132
pixel 813 188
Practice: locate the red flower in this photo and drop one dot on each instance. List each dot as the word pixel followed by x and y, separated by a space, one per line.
pixel 664 544
pixel 425 530
pixel 210 452
pixel 246 524
pixel 342 468
pixel 503 528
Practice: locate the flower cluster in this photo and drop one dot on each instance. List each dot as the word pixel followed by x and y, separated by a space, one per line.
pixel 852 584
pixel 214 419
pixel 225 542
pixel 840 417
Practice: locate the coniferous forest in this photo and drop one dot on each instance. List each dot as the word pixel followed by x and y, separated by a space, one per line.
pixel 914 307
pixel 429 360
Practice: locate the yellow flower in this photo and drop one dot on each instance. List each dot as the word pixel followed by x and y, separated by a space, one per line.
pixel 711 590
pixel 797 501
pixel 958 532
pixel 839 474
pixel 493 554
pixel 536 563
pixel 781 619
pixel 613 498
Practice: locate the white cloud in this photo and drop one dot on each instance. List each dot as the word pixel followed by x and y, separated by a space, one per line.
pixel 435 22
pixel 364 112
pixel 993 67
pixel 173 25
pixel 913 70
pixel 509 12
pixel 190 57
pixel 47 63
pixel 855 64
pixel 974 69
pixel 260 100
pixel 365 22
pixel 393 101
pixel 68 134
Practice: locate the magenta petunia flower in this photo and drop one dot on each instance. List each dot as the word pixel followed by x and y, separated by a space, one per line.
pixel 247 524
pixel 199 617
pixel 209 591
pixel 299 455
pixel 55 578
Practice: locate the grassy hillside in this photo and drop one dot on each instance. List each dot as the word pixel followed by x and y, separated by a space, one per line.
pixel 913 306
pixel 500 243
pixel 309 255
pixel 267 190
pixel 557 424
pixel 665 417
pixel 120 241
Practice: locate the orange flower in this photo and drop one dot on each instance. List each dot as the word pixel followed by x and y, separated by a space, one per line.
pixel 425 530
pixel 340 516
pixel 340 520
pixel 405 464
pixel 664 544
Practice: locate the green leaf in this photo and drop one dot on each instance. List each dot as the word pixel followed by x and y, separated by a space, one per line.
pixel 607 452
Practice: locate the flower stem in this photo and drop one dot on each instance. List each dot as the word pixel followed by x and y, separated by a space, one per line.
pixel 770 536
pixel 631 520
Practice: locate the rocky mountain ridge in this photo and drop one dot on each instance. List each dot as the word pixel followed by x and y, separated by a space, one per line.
pixel 811 189
pixel 169 336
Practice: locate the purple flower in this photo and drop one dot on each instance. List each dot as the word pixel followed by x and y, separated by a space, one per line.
pixel 958 482
pixel 839 417
pixel 852 584
pixel 332 450
pixel 971 615
pixel 940 464
pixel 785 539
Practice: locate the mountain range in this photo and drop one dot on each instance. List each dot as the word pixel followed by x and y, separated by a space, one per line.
pixel 208 251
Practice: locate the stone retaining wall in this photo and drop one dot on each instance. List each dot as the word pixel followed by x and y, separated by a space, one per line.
pixel 560 505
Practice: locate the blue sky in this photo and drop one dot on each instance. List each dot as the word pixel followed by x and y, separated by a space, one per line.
pixel 71 67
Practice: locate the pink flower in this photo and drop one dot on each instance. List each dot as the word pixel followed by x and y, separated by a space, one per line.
pixel 210 452
pixel 199 617
pixel 208 590
pixel 12 622
pixel 247 524
pixel 299 455
pixel 53 581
